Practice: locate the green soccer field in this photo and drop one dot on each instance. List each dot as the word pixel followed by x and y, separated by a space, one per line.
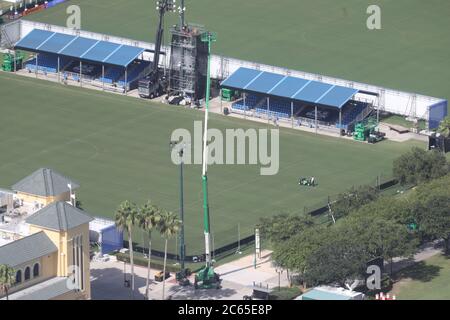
pixel 329 37
pixel 117 148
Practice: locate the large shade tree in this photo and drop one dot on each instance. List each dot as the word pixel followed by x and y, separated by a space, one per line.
pixel 352 200
pixel 292 254
pixel 419 166
pixel 431 210
pixel 444 127
pixel 283 226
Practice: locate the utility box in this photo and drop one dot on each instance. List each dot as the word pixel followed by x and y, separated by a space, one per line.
pixel 228 95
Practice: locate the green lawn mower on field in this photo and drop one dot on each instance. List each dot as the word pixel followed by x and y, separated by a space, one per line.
pixel 309 182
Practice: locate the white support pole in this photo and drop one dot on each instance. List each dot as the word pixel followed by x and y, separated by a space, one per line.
pixel 220 100
pixel 268 110
pixel 15 64
pixel 36 70
pixel 245 105
pixel 59 71
pixel 378 114
pixel 340 121
pixel 315 118
pixel 213 246
pixel 292 114
pixel 239 239
pixel 103 77
pixel 126 80
pixel 81 66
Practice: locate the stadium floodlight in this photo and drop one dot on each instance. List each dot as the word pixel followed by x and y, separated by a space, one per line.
pixel 180 147
pixel 166 5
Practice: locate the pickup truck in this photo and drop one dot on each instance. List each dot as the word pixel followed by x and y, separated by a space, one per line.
pixel 159 276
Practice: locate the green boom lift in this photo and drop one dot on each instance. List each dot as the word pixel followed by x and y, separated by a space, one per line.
pixel 367 130
pixel 206 278
pixel 8 61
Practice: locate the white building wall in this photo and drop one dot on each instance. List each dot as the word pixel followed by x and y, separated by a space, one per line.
pixel 395 101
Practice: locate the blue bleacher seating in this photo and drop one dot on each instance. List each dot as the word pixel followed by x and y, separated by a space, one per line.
pixel 46 63
pixel 112 74
pixel 279 108
pixel 250 102
pixel 133 72
pixel 352 111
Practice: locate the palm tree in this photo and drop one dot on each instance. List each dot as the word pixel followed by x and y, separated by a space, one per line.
pixel 126 218
pixel 148 219
pixel 444 127
pixel 7 278
pixel 168 226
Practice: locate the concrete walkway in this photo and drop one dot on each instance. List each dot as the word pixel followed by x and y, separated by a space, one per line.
pixel 426 251
pixel 107 281
pixel 400 137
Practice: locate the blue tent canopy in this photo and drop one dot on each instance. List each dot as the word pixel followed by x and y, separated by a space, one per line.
pixel 79 47
pixel 293 88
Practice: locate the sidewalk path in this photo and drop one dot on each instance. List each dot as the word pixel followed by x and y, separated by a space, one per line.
pixel 426 251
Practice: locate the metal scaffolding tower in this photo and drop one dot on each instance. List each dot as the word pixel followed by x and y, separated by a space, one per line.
pixel 188 59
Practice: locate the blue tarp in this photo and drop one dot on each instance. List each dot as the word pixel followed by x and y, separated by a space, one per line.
pixel 293 88
pixel 79 47
pixel 111 240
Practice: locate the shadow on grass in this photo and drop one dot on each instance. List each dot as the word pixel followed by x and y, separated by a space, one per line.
pixel 420 272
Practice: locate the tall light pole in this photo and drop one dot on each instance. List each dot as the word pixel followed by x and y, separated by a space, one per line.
pixel 279 270
pixel 181 10
pixel 180 151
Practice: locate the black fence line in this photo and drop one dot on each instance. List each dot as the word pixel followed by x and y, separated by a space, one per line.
pixel 194 258
pixel 247 240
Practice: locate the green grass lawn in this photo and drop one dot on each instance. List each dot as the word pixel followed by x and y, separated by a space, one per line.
pixel 329 37
pixel 401 120
pixel 428 280
pixel 117 148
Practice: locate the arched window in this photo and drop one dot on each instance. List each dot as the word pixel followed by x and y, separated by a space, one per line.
pixel 36 270
pixel 27 273
pixel 18 276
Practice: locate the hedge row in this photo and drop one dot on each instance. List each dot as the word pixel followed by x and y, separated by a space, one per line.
pixel 285 293
pixel 141 261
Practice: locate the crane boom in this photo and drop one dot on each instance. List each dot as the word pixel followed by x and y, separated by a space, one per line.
pixel 206 278
pixel 158 42
pixel 153 84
